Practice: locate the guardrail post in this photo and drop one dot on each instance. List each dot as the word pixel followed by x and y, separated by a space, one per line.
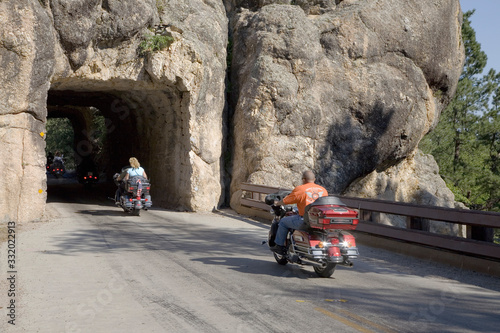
pixel 364 215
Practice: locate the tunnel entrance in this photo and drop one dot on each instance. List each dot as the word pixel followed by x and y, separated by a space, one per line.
pixel 148 125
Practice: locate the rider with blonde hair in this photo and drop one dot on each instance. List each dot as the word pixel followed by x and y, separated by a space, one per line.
pixel 135 169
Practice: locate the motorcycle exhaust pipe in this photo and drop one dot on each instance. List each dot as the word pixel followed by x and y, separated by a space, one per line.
pixel 312 262
pixel 348 263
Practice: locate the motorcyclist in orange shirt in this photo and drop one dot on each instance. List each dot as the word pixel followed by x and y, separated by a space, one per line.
pixel 301 195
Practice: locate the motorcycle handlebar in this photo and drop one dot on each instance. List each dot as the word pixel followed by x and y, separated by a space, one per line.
pixel 282 210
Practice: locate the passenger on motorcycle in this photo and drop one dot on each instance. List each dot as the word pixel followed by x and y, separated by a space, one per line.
pixel 301 195
pixel 134 170
pixel 58 157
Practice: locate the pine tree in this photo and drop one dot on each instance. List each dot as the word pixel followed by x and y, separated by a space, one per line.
pixel 466 141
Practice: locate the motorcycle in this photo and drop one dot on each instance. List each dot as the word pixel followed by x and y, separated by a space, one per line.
pixel 88 178
pixel 134 194
pixel 87 173
pixel 325 242
pixel 50 160
pixel 57 168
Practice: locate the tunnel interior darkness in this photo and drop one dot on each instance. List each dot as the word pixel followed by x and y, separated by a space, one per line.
pixel 146 124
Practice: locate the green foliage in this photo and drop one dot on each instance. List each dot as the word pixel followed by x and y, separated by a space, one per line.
pixel 153 43
pixel 60 138
pixel 475 59
pixel 466 142
pixel 98 134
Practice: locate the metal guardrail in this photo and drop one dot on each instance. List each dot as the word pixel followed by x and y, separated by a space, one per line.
pixel 255 194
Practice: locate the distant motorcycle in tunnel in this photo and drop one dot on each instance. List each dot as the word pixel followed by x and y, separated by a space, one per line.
pixel 87 173
pixel 56 165
pixel 133 194
pixel 57 169
pixel 326 241
pixel 50 160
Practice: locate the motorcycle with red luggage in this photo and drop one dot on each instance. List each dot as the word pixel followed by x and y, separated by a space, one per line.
pixel 132 194
pixel 325 242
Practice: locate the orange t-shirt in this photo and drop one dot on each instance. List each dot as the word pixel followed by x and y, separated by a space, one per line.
pixel 305 194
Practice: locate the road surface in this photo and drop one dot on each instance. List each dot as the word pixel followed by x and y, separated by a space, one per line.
pixel 89 267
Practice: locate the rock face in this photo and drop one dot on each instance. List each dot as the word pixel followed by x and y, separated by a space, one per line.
pixel 344 88
pixel 343 93
pixel 414 180
pixel 26 64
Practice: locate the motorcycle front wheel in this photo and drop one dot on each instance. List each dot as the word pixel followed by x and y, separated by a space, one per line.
pixel 326 271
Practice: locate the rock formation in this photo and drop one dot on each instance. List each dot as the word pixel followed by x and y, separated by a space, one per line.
pixel 344 88
pixel 416 180
pixel 344 93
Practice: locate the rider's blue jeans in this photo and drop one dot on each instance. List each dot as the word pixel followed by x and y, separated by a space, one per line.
pixel 286 223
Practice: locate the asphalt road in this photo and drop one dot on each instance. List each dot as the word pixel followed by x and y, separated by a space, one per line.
pixel 89 267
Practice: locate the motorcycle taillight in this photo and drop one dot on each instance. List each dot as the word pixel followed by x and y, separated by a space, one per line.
pixel 334 252
pixel 334 241
pixel 349 240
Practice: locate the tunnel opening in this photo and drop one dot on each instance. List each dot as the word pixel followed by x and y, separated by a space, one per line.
pixel 61 127
pixel 111 126
pixel 59 141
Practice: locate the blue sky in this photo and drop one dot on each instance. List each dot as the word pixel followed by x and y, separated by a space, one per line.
pixel 486 23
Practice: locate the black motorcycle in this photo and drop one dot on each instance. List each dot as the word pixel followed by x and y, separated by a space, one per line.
pixel 57 168
pixel 50 160
pixel 87 173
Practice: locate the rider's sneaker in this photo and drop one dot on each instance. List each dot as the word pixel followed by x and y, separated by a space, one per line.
pixel 279 249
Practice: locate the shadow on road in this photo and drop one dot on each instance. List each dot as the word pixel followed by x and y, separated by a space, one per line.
pixel 260 267
pixel 104 212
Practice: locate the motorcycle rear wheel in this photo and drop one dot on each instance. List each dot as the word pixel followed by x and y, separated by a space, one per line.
pixel 326 271
pixel 136 212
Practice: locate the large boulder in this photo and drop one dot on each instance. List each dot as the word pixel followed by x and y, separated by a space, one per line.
pixel 345 92
pixel 414 180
